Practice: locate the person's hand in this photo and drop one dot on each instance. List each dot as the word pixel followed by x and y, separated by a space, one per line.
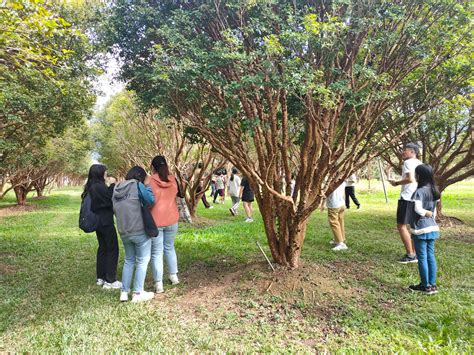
pixel 111 180
pixel 393 182
pixel 429 214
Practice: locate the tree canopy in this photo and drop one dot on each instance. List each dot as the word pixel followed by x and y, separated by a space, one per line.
pixel 45 73
pixel 312 77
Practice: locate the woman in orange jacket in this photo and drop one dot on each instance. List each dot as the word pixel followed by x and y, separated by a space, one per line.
pixel 166 216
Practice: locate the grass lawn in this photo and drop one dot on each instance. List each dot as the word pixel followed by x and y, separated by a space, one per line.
pixel 228 299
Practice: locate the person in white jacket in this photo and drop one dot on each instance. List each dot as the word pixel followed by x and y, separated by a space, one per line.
pixel 233 189
pixel 335 206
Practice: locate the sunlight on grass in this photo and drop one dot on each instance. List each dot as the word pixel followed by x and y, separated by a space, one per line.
pixel 50 302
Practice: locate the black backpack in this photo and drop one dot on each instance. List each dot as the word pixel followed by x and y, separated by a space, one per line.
pixel 88 220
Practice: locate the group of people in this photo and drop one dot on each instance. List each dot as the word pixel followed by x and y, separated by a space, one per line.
pixel 416 222
pixel 126 199
pixel 238 188
pixel 416 216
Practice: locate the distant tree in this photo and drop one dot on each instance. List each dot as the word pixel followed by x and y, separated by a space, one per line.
pixel 66 156
pixel 127 136
pixel 279 77
pixel 44 83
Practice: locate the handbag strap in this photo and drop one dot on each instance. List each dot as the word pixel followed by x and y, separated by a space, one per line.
pixel 140 196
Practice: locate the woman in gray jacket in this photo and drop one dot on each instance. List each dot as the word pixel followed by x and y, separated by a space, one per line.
pixel 137 244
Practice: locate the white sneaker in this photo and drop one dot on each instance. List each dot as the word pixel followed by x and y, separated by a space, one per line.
pixel 112 286
pixel 123 296
pixel 249 220
pixel 142 297
pixel 340 246
pixel 332 242
pixel 100 282
pixel 174 279
pixel 210 207
pixel 159 287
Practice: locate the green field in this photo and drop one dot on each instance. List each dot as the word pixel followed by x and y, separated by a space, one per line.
pixel 229 300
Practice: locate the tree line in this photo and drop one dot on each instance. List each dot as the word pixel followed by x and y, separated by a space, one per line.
pixel 45 94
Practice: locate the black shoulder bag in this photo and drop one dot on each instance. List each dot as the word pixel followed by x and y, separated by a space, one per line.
pixel 148 221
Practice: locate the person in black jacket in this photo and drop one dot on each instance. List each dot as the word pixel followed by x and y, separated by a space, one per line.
pixel 101 204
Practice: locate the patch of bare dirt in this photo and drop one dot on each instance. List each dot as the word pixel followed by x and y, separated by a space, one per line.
pixel 447 222
pixel 16 210
pixel 254 292
pixel 6 269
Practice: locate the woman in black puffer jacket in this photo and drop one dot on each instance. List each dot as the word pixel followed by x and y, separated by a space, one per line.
pixel 101 205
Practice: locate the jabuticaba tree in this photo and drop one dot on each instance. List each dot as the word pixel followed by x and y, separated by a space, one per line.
pixel 285 78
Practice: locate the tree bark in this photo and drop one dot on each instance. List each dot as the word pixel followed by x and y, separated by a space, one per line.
pixel 20 193
pixel 39 190
pixel 2 184
pixel 285 230
pixel 192 205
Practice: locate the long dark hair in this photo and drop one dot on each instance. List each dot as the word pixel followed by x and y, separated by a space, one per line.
pixel 137 173
pixel 161 167
pixel 425 177
pixel 96 175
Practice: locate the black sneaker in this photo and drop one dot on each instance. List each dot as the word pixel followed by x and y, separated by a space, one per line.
pixel 358 207
pixel 408 259
pixel 432 290
pixel 419 288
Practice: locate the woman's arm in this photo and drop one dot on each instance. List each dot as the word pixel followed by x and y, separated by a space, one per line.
pixel 147 194
pixel 420 210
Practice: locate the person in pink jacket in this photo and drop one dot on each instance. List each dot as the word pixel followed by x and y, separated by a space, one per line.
pixel 166 216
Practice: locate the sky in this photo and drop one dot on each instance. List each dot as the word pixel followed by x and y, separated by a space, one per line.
pixel 106 84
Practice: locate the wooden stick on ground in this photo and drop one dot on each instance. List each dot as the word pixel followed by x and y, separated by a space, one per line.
pixel 265 255
pixel 269 286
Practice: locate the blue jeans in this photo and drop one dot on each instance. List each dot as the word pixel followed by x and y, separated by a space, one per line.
pixel 137 250
pixel 426 261
pixel 164 241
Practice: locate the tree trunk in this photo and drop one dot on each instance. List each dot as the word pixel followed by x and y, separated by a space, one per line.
pixel 439 210
pixel 369 172
pixel 284 229
pixel 2 185
pixel 20 192
pixel 39 191
pixel 441 184
pixel 192 205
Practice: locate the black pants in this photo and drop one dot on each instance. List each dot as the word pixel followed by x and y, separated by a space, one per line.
pixel 350 191
pixel 107 254
pixel 203 198
pixel 217 193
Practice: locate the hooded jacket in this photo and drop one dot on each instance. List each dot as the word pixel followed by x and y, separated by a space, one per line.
pixel 164 211
pixel 127 207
